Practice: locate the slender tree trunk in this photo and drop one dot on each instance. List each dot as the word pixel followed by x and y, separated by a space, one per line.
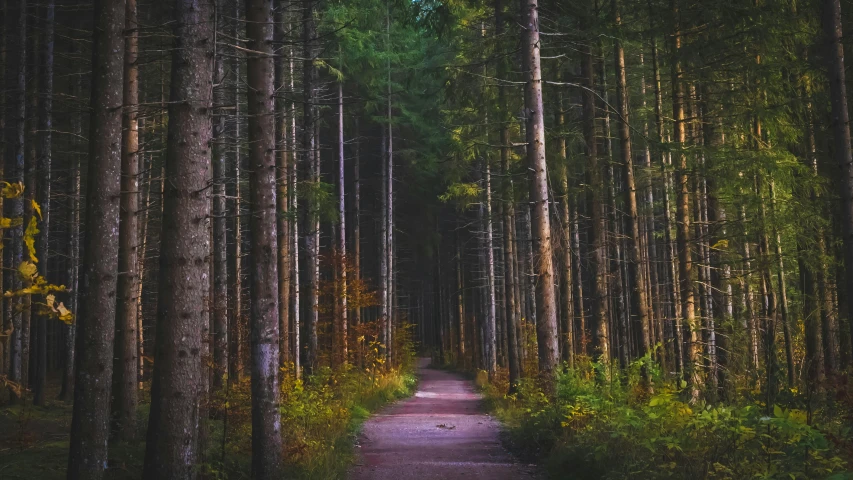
pixel 283 153
pixel 342 230
pixel 546 314
pixel 566 290
pixel 783 295
pixel 73 271
pixel 266 422
pixel 124 388
pixel 460 301
pixel 173 444
pixel 685 261
pixel 748 299
pixel 16 107
pixel 639 305
pixel 842 153
pixel 491 339
pixel 45 138
pixel 356 234
pixel 235 317
pixel 600 310
pixel 309 148
pixel 219 267
pixel 389 192
pixel 96 315
pixel 294 223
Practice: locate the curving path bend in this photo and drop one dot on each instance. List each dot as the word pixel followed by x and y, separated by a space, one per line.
pixel 439 433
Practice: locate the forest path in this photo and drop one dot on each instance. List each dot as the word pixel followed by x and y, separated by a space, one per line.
pixel 439 433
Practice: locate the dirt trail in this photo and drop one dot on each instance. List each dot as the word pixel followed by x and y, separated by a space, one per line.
pixel 439 433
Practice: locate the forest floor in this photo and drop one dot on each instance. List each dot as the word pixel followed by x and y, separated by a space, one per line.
pixel 441 432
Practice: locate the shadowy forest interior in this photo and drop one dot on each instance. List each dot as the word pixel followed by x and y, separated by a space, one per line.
pixel 229 228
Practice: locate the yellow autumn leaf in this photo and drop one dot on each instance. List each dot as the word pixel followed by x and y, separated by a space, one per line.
pixel 30 238
pixel 28 270
pixel 9 222
pixel 12 190
pixel 36 208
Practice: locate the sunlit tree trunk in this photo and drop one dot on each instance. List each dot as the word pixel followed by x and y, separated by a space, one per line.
pixel 282 158
pixel 124 388
pixel 685 261
pixel 546 312
pixel 637 281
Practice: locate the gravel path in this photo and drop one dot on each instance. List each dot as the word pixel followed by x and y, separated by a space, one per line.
pixel 439 433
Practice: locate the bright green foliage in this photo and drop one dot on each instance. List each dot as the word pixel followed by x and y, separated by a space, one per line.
pixel 594 431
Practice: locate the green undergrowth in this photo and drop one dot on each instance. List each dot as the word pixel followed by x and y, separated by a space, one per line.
pixel 320 420
pixel 588 429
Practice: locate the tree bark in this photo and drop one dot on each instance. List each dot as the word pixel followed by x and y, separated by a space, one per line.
pixel 16 107
pixel 219 267
pixel 546 314
pixel 96 316
pixel 125 363
pixel 342 231
pixel 842 152
pixel 173 446
pixel 266 421
pixel 45 138
pixel 312 235
pixel 600 310
pixel 283 153
pixel 639 305
pixel 567 302
pixel 685 261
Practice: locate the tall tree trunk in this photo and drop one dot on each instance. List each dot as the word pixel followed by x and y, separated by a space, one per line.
pixel 673 348
pixel 124 364
pixel 219 267
pixel 235 316
pixel 173 444
pixel 639 305
pixel 491 339
pixel 356 233
pixel 266 421
pixel 283 153
pixel 783 295
pixel 45 138
pixel 600 309
pixel 294 223
pixel 342 230
pixel 685 261
pixel 546 312
pixel 806 261
pixel 566 290
pixel 841 134
pixel 16 107
pixel 309 85
pixel 383 243
pixel 96 316
pixel 389 192
pixel 73 269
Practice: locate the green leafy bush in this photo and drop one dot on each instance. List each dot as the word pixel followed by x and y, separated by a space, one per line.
pixel 590 430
